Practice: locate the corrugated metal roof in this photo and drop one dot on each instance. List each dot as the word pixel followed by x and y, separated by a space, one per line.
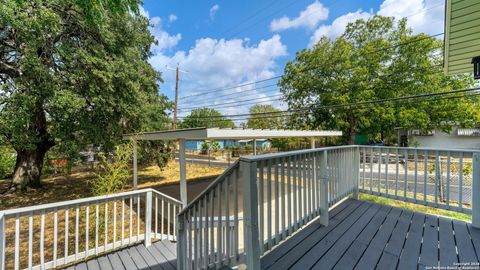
pixel 462 35
pixel 472 132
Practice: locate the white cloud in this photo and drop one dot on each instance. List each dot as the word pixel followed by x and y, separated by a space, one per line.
pixel 164 40
pixel 213 63
pixel 338 26
pixel 308 18
pixel 172 17
pixel 213 10
pixel 425 16
pixel 422 16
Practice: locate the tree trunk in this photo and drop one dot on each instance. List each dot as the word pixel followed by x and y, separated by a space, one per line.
pixel 29 164
pixel 352 130
pixel 28 168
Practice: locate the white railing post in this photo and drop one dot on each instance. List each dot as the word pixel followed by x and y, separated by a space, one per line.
pixel 248 173
pixel 356 171
pixel 476 191
pixel 2 241
pixel 181 242
pixel 148 218
pixel 324 189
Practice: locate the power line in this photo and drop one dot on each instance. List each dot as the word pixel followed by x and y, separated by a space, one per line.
pixel 231 87
pixel 353 103
pixel 208 91
pixel 235 102
pixel 242 92
pixel 271 115
pixel 238 104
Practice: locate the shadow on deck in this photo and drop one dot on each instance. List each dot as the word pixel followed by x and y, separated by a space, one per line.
pixel 160 255
pixel 365 235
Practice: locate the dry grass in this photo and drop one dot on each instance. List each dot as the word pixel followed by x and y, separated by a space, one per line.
pixel 76 185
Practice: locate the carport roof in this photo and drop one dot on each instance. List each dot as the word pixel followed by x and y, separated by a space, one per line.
pixel 234 134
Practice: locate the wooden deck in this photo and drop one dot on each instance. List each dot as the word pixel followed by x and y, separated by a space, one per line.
pixel 365 235
pixel 360 235
pixel 161 255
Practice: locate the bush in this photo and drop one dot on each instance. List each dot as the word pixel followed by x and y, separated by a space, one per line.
pixel 7 161
pixel 155 152
pixel 113 171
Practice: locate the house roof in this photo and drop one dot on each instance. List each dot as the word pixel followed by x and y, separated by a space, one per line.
pixel 236 134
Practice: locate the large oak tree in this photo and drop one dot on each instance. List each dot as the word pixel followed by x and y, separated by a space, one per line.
pixel 71 71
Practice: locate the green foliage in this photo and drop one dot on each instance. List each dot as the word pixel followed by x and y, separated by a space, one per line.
pixel 259 117
pixel 364 65
pixel 113 171
pixel 206 147
pixel 206 117
pixel 156 152
pixel 72 83
pixel 7 161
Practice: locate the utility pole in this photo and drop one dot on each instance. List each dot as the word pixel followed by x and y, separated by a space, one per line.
pixel 177 78
pixel 176 100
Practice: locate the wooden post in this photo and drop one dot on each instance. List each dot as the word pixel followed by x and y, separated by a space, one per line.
pixel 2 241
pixel 248 173
pixel 476 191
pixel 135 169
pixel 183 173
pixel 148 218
pixel 313 142
pixel 324 189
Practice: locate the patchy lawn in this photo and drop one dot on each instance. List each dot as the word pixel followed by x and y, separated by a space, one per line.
pixel 76 185
pixel 416 207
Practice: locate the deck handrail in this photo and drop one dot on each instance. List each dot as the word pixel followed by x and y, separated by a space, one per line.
pixel 318 179
pixel 100 224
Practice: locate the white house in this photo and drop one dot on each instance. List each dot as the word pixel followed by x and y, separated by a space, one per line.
pixel 458 138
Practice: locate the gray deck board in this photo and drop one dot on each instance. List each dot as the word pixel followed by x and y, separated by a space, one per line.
pixel 116 261
pixel 466 252
pixel 411 250
pixel 126 259
pixel 149 259
pixel 137 258
pixel 295 253
pixel 360 235
pixel 158 256
pixel 475 235
pixel 315 253
pixel 448 250
pixel 93 265
pixel 392 251
pixel 372 254
pixel 355 251
pixel 429 251
pixel 299 236
pixel 331 257
pixel 391 239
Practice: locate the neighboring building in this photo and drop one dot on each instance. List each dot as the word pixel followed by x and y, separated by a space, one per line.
pixel 458 138
pixel 261 144
pixel 197 145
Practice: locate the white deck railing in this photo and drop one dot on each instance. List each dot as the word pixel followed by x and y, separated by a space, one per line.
pixel 277 194
pixel 247 211
pixel 56 234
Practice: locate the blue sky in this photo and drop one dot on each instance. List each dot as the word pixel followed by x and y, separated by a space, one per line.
pixel 222 44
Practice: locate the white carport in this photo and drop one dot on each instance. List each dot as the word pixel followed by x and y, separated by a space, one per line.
pixel 183 135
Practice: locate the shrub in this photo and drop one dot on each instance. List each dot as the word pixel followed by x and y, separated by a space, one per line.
pixel 113 171
pixel 7 161
pixel 155 152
